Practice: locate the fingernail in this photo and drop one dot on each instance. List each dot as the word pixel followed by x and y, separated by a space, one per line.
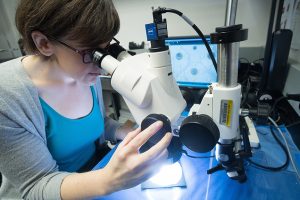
pixel 158 123
pixel 169 134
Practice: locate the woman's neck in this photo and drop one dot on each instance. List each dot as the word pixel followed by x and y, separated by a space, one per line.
pixel 46 72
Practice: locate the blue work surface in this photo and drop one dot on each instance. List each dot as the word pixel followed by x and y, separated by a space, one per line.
pixel 261 184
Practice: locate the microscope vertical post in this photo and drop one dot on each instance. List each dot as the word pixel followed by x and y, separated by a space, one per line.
pixel 227 94
pixel 228 53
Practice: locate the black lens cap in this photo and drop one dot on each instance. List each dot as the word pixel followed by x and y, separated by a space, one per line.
pixel 199 133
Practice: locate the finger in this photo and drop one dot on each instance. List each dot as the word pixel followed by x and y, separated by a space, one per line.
pixel 130 136
pixel 142 138
pixel 150 164
pixel 161 157
pixel 155 150
pixel 161 160
pixel 122 152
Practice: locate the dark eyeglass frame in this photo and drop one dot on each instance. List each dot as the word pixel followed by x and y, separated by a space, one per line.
pixel 87 54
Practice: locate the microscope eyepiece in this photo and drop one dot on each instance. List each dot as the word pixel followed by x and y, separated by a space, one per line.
pixel 98 57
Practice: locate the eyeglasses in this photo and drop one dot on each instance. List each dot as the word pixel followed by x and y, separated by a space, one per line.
pixel 87 54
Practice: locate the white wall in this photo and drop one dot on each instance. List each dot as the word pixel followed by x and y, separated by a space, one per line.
pixel 8 33
pixel 206 14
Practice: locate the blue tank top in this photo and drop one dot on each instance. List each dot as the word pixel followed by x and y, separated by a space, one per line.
pixel 71 142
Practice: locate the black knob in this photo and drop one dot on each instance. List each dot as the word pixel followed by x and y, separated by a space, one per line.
pixel 174 148
pixel 199 133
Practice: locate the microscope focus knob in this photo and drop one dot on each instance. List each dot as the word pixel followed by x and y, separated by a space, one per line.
pixel 199 133
pixel 174 148
pixel 150 119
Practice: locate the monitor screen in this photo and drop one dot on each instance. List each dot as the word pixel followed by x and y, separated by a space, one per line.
pixel 191 63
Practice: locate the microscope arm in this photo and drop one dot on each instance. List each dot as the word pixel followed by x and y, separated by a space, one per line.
pixel 145 83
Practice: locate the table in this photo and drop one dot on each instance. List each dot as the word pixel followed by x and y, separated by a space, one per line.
pixel 261 184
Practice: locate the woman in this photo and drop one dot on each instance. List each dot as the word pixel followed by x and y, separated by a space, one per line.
pixel 50 108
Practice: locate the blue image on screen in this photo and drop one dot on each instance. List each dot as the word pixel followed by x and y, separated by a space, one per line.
pixel 191 63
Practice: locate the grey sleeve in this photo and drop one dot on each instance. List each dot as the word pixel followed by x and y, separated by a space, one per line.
pixel 27 163
pixel 111 127
pixel 25 160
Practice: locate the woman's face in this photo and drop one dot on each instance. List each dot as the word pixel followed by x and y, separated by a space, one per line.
pixel 71 63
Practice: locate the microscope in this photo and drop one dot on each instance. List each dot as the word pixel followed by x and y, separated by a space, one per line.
pixel 220 107
pixel 146 83
pixel 150 91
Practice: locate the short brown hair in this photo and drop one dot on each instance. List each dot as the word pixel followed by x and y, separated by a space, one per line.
pixel 88 22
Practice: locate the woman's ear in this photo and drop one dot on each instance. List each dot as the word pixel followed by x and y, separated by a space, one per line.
pixel 42 43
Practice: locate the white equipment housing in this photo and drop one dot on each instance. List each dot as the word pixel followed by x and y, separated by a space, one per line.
pixel 222 104
pixel 147 85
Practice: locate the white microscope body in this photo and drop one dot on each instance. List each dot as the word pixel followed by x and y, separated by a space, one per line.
pixel 222 104
pixel 146 83
pixel 222 100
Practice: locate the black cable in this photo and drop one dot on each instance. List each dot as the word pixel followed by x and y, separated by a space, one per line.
pixel 244 78
pixel 249 106
pixel 274 106
pixel 207 46
pixel 249 66
pixel 245 97
pixel 283 148
pixel 276 102
pixel 283 113
pixel 197 30
pixel 177 12
pixel 292 124
pixel 260 59
pixel 186 153
pixel 295 97
pixel 242 58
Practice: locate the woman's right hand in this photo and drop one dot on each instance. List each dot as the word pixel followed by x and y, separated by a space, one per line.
pixel 127 167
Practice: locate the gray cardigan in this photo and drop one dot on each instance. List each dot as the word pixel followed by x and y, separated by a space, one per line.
pixel 28 169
